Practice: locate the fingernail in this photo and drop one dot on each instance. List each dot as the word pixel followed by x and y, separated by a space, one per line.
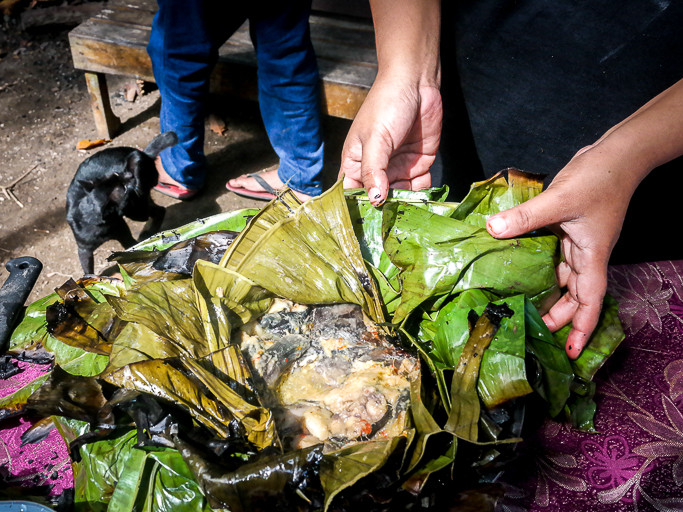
pixel 497 225
pixel 374 193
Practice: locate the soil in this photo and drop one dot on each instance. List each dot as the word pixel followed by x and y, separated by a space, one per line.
pixel 45 111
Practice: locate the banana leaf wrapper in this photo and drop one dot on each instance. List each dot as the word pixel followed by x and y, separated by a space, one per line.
pixel 381 269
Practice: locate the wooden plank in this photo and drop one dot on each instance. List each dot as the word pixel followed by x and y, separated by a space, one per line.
pixel 332 39
pixel 97 30
pixel 111 59
pixel 124 16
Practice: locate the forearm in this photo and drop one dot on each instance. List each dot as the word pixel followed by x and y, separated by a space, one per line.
pixel 649 137
pixel 407 35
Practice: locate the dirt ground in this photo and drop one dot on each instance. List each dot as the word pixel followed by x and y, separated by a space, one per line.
pixel 45 111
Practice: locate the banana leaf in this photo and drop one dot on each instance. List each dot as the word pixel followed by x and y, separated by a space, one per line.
pixel 463 418
pixel 137 343
pixel 367 220
pixel 554 376
pixel 503 370
pixel 168 309
pixel 433 194
pixel 416 253
pixel 427 431
pixel 116 476
pixel 15 403
pixel 63 394
pixel 234 220
pixel 603 342
pixel 210 400
pixel 175 262
pixel 367 224
pixel 31 334
pixel 275 482
pixel 225 300
pixel 440 256
pixel 342 469
pixel 496 194
pixel 306 252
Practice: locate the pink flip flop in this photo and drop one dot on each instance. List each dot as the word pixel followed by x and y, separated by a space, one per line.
pixel 267 194
pixel 175 191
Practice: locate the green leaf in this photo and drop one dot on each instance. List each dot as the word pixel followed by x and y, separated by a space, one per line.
pixel 138 343
pixel 14 403
pixel 503 369
pixel 210 400
pixel 173 487
pixel 463 418
pixel 270 482
pixel 234 220
pixel 226 299
pixel 306 252
pixel 33 328
pixel 556 374
pixel 341 469
pixel 101 466
pixel 169 310
pixel 437 194
pixel 496 194
pixel 605 339
pixel 440 256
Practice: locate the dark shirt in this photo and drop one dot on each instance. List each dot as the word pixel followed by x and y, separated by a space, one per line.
pixel 527 83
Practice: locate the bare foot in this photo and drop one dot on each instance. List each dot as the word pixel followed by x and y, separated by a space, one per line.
pixel 164 177
pixel 170 187
pixel 271 177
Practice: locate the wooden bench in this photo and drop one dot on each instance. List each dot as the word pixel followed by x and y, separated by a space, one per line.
pixel 114 43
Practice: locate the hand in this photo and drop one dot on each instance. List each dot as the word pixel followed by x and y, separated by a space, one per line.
pixel 585 206
pixel 393 139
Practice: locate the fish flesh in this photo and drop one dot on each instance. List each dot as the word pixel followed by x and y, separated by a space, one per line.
pixel 329 373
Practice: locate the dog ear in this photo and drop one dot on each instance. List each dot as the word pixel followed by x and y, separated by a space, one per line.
pixel 88 185
pixel 133 168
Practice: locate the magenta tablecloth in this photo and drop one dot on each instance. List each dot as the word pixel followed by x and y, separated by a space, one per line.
pixel 634 463
pixel 42 464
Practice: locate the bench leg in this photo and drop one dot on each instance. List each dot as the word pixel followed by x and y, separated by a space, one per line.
pixel 106 122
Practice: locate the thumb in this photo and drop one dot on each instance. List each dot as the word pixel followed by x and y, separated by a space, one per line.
pixel 535 213
pixel 374 163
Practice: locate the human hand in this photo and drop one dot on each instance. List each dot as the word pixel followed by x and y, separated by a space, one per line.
pixel 585 206
pixel 393 139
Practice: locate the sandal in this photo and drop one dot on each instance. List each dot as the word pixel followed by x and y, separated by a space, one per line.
pixel 175 191
pixel 267 194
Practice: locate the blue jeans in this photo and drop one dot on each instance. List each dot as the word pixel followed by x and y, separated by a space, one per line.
pixel 186 36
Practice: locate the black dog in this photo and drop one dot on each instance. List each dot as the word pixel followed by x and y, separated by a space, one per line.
pixel 108 186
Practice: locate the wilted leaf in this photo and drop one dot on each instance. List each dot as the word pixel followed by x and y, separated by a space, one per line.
pixel 90 144
pixel 287 248
pixel 463 417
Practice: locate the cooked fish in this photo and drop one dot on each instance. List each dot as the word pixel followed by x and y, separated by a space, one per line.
pixel 331 374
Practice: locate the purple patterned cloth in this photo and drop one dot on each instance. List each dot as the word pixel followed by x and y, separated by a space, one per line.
pixel 634 462
pixel 46 463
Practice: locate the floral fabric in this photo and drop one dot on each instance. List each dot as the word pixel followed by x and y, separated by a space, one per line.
pixel 635 461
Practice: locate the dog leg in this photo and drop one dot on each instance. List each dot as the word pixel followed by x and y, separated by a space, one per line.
pixel 87 260
pixel 123 235
pixel 153 225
